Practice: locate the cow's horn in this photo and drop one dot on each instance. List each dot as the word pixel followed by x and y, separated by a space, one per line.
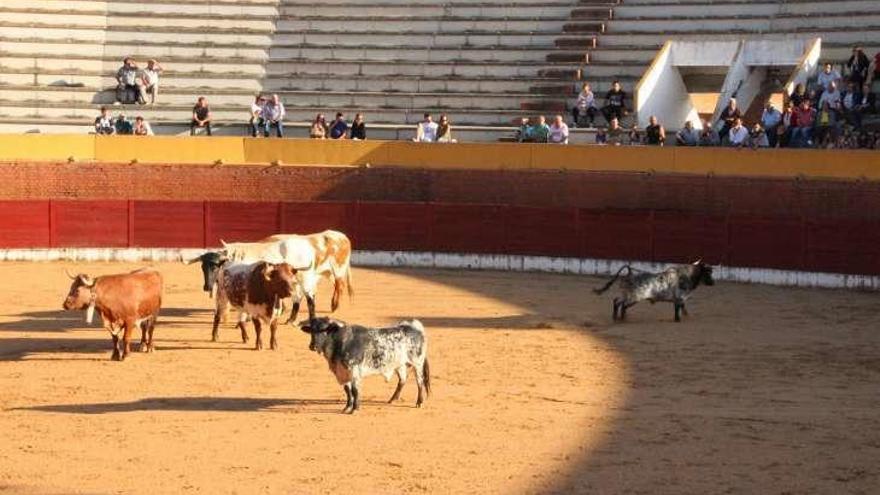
pixel 86 280
pixel 267 271
pixel 190 262
pixel 72 276
pixel 698 261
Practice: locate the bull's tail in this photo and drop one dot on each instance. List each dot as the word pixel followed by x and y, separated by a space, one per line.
pixel 426 377
pixel 348 281
pixel 338 283
pixel 614 279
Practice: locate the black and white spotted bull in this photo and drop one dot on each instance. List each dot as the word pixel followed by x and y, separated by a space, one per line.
pixel 354 352
pixel 675 285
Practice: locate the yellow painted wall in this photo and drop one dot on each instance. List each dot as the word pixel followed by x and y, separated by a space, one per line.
pixel 488 156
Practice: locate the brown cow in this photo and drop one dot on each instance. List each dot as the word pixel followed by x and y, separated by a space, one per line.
pixel 124 301
pixel 254 289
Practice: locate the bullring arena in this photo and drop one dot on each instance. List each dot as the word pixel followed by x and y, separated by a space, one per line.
pixel 494 240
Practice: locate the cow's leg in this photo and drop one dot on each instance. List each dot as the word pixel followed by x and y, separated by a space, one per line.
pixel 258 328
pixel 215 331
pixel 624 305
pixel 615 307
pixel 684 310
pixel 355 394
pixel 126 338
pixel 310 300
pixel 420 381
pixel 401 381
pixel 150 346
pixel 115 356
pixel 677 305
pixel 295 299
pixel 145 325
pixel 273 326
pixel 242 325
pixel 348 404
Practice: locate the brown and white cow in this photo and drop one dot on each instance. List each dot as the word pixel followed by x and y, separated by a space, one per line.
pixel 124 301
pixel 326 254
pixel 255 290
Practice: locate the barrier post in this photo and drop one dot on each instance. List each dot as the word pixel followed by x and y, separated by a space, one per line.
pixel 53 222
pixel 130 241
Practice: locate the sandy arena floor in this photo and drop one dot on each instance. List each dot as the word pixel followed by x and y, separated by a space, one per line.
pixel 761 390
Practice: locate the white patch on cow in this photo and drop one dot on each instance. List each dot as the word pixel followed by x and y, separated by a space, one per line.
pixel 90 313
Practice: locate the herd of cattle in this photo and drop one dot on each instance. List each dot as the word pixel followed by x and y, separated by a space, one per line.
pixel 255 278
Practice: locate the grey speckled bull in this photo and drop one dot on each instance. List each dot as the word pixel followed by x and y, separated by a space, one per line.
pixel 354 352
pixel 673 285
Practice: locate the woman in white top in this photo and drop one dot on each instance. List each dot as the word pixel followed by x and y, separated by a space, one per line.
pixel 444 130
pixel 426 132
pixel 585 105
pixel 558 131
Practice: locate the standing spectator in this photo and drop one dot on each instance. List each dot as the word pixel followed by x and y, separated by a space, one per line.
pixel 687 135
pixel 615 133
pixel 558 131
pixel 827 129
pixel 728 117
pixel 256 114
pixel 104 123
pixel 201 117
pixel 426 131
pixel 318 130
pixel 758 137
pixel 339 127
pixel 273 115
pixel 123 126
pixel 444 130
pixel 738 135
pixel 150 81
pixel 851 105
pixel 832 97
pixel 789 122
pixel 142 127
pixel 655 134
pixel 128 89
pixel 858 65
pixel 358 128
pixel 709 136
pixel 615 103
pixel 585 105
pixel 799 95
pixel 540 131
pixel 803 119
pixel 771 119
pixel 827 76
pixel 524 135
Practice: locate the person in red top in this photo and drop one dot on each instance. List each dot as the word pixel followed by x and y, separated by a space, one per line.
pixel 804 116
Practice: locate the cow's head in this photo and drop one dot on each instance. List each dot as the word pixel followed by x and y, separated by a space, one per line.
pixel 80 295
pixel 278 279
pixel 211 261
pixel 704 273
pixel 320 330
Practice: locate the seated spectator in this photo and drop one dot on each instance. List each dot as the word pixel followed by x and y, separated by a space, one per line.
pixel 655 134
pixel 128 88
pixel 585 106
pixel 426 131
pixel 789 121
pixel 687 136
pixel 601 137
pixel 738 136
pixel 358 128
pixel 339 127
pixel 273 115
pixel 444 130
pixel 771 119
pixel 728 117
pixel 858 65
pixel 803 119
pixel 827 129
pixel 827 76
pixel 876 67
pixel 615 103
pixel 635 136
pixel 123 126
pixel 104 123
pixel 615 133
pixel 150 81
pixel 868 99
pixel 799 95
pixel 558 131
pixel 256 114
pixel 851 105
pixel 523 134
pixel 318 130
pixel 142 127
pixel 201 117
pixel 758 137
pixel 831 96
pixel 540 131
pixel 709 136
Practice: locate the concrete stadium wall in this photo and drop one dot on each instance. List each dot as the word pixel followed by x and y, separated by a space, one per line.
pixel 839 164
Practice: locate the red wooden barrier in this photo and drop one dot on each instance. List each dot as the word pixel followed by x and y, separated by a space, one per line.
pixel 90 223
pixel 25 224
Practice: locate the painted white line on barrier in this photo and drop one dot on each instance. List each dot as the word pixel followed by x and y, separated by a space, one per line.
pixel 517 263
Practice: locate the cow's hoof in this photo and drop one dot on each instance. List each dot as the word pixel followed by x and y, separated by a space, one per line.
pixel 215 338
pixel 259 346
pixel 273 346
pixel 115 357
pixel 347 410
pixel 144 348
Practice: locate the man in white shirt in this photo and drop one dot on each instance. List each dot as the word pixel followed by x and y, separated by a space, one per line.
pixel 770 120
pixel 739 135
pixel 826 77
pixel 426 132
pixel 831 96
pixel 150 79
pixel 273 114
pixel 558 131
pixel 687 136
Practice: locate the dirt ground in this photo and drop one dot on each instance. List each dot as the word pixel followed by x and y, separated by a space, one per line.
pixel 760 390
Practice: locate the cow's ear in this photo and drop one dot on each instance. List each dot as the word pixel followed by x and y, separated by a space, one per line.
pixel 333 327
pixel 306 326
pixel 267 271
